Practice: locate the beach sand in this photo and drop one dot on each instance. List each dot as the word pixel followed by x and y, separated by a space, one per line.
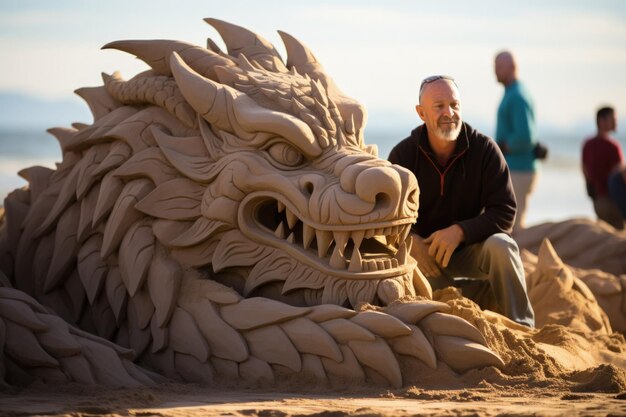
pixel 187 400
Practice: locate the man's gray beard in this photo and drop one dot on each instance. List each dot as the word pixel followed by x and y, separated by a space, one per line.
pixel 449 135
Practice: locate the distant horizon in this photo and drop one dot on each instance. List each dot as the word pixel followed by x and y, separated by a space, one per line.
pixel 66 111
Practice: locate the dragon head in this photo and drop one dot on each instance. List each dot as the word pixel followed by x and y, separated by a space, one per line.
pixel 278 193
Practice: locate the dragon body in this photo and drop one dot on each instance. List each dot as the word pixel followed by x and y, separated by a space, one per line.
pixel 221 217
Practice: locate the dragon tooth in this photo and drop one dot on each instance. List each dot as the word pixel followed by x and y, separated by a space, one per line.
pixel 372 265
pixel 401 255
pixel 355 261
pixel 280 231
pixel 394 263
pixel 364 266
pixel 380 264
pixel 405 232
pixel 387 263
pixel 336 260
pixel 357 238
pixel 392 239
pixel 281 206
pixel 308 233
pixel 387 231
pixel 369 233
pixel 382 239
pixel 324 239
pixel 291 218
pixel 341 240
pixel 291 238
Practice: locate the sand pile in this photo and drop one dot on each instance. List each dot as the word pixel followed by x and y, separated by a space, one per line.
pixel 573 347
pixel 594 253
pixel 553 355
pixel 560 297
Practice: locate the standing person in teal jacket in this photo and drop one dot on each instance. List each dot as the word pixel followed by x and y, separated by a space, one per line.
pixel 515 133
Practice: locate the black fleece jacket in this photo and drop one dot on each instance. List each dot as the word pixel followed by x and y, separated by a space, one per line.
pixel 473 190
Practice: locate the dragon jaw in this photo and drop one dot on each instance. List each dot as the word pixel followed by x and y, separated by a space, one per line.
pixel 366 251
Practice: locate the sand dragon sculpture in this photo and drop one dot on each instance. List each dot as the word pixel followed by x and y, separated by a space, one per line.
pixel 221 218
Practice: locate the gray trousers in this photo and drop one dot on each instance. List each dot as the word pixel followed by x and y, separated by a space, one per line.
pixel 491 274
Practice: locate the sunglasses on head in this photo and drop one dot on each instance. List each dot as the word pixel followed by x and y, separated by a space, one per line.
pixel 434 78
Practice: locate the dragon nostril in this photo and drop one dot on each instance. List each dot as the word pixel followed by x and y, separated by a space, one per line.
pixel 308 188
pixel 309 183
pixel 382 200
pixel 379 185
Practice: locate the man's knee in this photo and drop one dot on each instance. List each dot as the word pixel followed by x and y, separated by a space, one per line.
pixel 501 244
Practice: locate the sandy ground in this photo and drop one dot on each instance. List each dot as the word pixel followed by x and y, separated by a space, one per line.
pixel 188 400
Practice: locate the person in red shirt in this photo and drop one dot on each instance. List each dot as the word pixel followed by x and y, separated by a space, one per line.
pixel 601 157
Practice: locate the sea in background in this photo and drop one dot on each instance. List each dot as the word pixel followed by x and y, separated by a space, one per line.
pixel 560 192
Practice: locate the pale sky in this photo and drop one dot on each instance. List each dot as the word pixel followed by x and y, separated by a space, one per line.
pixel 572 54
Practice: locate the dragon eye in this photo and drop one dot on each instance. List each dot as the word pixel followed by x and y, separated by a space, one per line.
pixel 286 154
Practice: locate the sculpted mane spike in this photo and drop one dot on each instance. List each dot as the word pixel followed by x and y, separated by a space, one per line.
pixel 222 216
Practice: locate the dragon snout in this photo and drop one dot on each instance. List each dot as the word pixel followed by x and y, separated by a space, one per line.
pixel 391 189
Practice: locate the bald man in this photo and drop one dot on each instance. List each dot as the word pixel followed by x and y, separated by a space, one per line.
pixel 466 205
pixel 515 133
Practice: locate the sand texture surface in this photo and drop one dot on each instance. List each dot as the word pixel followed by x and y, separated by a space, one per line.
pixel 185 400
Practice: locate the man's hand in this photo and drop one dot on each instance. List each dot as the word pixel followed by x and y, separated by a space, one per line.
pixel 425 262
pixel 442 243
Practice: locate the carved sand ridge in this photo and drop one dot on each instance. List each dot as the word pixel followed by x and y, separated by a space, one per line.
pixel 598 253
pixel 221 218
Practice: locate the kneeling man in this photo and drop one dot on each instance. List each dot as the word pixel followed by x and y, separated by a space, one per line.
pixel 466 205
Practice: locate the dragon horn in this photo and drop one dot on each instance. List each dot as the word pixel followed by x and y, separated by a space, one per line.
pixel 156 53
pixel 240 40
pixel 205 96
pixel 301 58
pixel 298 55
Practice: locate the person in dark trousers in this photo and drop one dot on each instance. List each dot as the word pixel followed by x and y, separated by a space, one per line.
pixel 602 158
pixel 617 190
pixel 466 205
